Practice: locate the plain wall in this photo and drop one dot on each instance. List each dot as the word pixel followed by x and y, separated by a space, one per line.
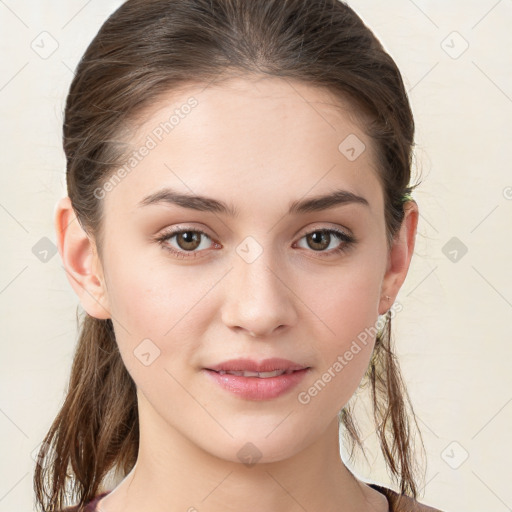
pixel 454 334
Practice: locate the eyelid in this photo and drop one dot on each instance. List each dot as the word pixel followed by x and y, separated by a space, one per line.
pixel 325 227
pixel 180 228
pixel 344 235
pixel 177 229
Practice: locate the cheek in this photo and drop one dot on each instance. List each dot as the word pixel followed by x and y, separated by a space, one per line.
pixel 346 313
pixel 158 314
pixel 154 300
pixel 344 301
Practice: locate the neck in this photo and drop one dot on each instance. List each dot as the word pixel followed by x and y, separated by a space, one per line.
pixel 173 474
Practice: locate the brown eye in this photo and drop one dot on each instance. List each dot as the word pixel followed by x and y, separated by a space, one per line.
pixel 319 240
pixel 186 243
pixel 188 240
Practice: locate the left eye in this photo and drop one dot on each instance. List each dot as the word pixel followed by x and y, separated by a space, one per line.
pixel 319 237
pixel 189 240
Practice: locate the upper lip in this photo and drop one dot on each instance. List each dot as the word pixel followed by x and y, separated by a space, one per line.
pixel 266 365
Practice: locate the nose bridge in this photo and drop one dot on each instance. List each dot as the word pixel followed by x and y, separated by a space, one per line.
pixel 257 297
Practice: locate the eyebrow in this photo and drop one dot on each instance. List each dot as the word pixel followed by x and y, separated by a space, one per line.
pixel 207 204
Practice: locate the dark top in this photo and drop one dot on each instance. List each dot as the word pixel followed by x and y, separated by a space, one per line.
pixel 408 504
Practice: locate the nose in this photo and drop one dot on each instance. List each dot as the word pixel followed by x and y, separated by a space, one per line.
pixel 259 298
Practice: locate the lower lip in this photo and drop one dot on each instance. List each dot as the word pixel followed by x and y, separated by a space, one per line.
pixel 256 388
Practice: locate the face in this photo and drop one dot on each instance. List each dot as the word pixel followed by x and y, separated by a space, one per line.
pixel 255 281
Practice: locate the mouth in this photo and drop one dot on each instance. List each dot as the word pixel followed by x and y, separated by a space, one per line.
pixel 263 369
pixel 254 385
pixel 258 375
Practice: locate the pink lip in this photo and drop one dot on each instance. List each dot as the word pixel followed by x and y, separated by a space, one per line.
pixel 248 365
pixel 256 388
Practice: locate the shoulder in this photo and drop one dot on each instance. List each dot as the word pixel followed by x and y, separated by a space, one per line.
pixel 90 506
pixel 403 503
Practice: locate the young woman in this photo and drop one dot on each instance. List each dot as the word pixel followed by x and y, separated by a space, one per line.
pixel 238 224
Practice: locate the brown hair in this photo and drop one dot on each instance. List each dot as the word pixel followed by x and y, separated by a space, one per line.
pixel 147 48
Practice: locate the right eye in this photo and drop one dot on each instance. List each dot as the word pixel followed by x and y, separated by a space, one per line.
pixel 188 240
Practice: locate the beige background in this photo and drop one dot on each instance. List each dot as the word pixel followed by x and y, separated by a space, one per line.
pixel 454 335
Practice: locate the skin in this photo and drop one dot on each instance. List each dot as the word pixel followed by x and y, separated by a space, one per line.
pixel 258 144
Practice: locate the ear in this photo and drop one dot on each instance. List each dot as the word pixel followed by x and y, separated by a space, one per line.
pixel 399 257
pixel 81 262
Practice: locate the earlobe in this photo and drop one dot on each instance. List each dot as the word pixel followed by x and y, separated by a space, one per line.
pixel 400 255
pixel 80 261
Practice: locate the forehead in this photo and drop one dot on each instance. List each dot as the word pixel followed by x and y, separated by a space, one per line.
pixel 249 142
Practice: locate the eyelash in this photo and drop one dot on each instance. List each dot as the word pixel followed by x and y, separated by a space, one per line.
pixel 341 235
